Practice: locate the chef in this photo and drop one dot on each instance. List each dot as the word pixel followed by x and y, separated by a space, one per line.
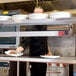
pixel 37 46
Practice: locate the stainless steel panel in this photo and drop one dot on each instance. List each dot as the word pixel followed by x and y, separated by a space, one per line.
pixel 4 71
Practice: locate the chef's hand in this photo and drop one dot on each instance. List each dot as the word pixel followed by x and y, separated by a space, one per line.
pixel 49 53
pixel 19 49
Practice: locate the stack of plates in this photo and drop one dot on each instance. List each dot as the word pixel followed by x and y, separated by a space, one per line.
pixel 19 17
pixel 5 18
pixel 60 15
pixel 38 16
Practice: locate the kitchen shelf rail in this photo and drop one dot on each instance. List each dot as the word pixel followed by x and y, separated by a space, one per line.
pixel 51 22
pixel 9 1
pixel 65 60
pixel 29 34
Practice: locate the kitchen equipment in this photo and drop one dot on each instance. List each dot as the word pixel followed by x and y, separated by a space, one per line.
pixel 4 68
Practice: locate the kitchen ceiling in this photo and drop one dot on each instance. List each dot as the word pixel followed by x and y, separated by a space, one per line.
pixel 48 5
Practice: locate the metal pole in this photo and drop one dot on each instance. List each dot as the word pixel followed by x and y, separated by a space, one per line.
pixel 27 69
pixel 17 68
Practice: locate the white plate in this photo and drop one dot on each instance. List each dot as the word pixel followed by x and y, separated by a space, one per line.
pixel 8 53
pixel 5 18
pixel 49 56
pixel 19 17
pixel 60 15
pixel 38 16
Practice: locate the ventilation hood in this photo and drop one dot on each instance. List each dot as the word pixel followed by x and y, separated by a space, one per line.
pixel 48 5
pixel 63 4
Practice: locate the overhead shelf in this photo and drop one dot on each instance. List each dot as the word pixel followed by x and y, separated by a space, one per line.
pixel 63 21
pixel 9 1
pixel 29 22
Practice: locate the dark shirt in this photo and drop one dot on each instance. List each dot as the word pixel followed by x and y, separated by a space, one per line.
pixel 37 45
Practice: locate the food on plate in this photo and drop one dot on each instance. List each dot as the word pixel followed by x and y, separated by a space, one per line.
pixel 13 52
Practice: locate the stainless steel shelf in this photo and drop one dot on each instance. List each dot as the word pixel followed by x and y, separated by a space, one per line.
pixel 9 1
pixel 29 34
pixel 63 21
pixel 29 22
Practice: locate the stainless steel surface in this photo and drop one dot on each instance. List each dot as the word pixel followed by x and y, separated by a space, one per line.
pixel 48 21
pixel 63 4
pixel 66 60
pixel 27 22
pixel 4 71
pixel 8 1
pixel 17 68
pixel 29 34
pixel 63 46
pixel 27 69
pixel 4 68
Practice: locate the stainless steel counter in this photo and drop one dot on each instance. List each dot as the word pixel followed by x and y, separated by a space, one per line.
pixel 66 60
pixel 27 59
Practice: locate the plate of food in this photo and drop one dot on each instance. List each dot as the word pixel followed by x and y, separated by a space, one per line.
pixel 13 53
pixel 53 57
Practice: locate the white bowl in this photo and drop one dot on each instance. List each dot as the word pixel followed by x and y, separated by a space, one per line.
pixel 5 18
pixel 19 17
pixel 38 16
pixel 60 15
